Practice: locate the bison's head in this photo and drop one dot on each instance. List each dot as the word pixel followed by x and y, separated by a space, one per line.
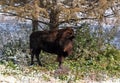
pixel 68 33
pixel 66 40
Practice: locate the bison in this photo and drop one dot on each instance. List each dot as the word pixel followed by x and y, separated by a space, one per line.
pixel 58 42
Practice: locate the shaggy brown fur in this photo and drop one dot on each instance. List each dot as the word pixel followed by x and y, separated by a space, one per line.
pixel 59 42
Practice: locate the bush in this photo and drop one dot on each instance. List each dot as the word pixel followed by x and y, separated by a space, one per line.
pixel 89 56
pixel 85 44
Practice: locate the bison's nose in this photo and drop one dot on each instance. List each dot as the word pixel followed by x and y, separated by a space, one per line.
pixel 73 36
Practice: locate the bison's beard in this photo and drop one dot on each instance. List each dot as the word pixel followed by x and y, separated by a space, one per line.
pixel 68 48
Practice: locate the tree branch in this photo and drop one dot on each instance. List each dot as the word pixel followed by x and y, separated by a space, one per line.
pixel 13 14
pixel 71 20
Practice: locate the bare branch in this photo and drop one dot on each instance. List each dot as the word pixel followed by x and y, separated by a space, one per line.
pixel 13 14
pixel 74 20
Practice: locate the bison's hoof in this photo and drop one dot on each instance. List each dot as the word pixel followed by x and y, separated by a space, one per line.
pixel 31 65
pixel 40 65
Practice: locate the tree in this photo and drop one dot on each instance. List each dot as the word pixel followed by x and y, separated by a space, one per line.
pixel 54 13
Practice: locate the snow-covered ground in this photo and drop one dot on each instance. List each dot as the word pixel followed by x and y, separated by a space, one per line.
pixel 26 79
pixel 43 77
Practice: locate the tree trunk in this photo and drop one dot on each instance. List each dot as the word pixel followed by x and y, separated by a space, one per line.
pixel 54 19
pixel 35 15
pixel 34 25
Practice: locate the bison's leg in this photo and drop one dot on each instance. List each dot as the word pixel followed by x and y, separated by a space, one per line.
pixel 32 56
pixel 37 57
pixel 60 60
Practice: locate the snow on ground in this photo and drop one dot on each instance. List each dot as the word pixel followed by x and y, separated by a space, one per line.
pixel 43 77
pixel 26 79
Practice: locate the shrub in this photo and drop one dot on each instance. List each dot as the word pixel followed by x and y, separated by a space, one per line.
pixel 89 56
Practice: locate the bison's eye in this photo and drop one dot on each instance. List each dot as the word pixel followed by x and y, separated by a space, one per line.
pixel 69 33
pixel 70 37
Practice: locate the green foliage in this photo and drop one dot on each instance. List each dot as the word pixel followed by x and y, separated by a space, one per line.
pixel 85 44
pixel 11 65
pixel 63 77
pixel 110 60
pixel 89 56
pixel 46 78
pixel 9 50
